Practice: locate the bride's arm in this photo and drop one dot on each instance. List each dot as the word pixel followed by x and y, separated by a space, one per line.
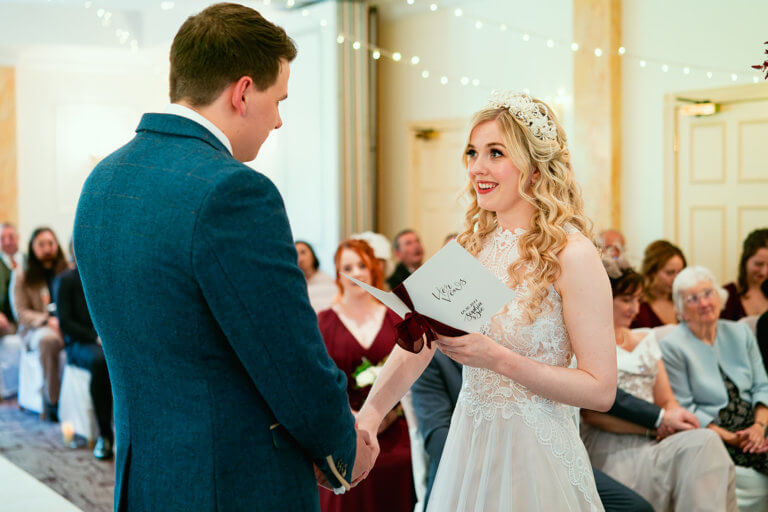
pixel 400 371
pixel 588 314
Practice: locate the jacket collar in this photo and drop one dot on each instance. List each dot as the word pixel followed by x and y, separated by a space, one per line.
pixel 171 124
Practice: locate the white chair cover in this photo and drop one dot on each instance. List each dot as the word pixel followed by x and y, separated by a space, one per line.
pixel 10 358
pixel 76 404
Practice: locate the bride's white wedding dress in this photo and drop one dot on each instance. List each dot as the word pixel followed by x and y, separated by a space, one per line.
pixel 508 448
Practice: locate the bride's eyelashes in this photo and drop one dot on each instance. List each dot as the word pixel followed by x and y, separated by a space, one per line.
pixel 495 153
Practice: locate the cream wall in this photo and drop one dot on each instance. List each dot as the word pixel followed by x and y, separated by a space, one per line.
pixel 454 47
pixel 78 102
pixel 706 32
pixel 711 33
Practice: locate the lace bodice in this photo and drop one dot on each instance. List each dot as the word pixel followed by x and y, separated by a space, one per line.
pixel 545 340
pixel 638 369
pixel 486 394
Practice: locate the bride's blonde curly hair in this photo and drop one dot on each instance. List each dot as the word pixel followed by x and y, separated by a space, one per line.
pixel 555 194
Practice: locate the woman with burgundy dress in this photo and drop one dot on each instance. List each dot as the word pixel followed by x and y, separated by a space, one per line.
pixel 661 264
pixel 745 296
pixel 357 328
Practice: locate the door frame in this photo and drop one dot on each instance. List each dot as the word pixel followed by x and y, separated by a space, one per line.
pixel 722 95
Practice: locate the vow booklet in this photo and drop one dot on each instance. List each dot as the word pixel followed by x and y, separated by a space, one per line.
pixel 452 287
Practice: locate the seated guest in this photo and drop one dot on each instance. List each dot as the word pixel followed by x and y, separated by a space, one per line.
pixel 661 263
pixel 84 351
pixel 359 328
pixel 409 252
pixel 10 260
pixel 34 299
pixel 761 330
pixel 716 371
pixel 612 242
pixel 689 470
pixel 434 398
pixel 745 296
pixel 320 286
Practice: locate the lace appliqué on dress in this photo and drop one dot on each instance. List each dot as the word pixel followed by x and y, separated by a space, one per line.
pixel 486 393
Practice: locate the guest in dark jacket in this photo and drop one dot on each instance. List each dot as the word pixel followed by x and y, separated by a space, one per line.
pixel 410 252
pixel 84 351
pixel 435 394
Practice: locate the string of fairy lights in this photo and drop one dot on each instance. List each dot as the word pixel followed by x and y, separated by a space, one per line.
pixel 526 37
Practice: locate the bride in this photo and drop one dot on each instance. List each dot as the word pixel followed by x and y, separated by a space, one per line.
pixel 513 443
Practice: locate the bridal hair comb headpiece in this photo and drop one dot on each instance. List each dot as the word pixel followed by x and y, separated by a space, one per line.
pixel 525 109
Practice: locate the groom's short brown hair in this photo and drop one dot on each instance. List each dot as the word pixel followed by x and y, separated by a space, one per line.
pixel 220 45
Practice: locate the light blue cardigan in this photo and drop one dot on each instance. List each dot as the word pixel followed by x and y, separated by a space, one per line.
pixel 692 366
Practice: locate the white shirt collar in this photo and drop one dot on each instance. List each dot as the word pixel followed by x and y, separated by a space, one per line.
pixel 182 111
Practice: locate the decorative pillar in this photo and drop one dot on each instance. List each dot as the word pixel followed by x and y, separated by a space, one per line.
pixel 597 108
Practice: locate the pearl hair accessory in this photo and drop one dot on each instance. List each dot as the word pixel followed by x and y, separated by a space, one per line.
pixel 525 109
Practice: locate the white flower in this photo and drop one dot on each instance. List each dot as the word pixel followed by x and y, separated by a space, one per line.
pixel 368 376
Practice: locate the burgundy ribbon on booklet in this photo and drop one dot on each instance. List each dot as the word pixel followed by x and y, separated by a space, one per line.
pixel 412 329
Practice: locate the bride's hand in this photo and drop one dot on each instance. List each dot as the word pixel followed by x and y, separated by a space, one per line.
pixel 473 349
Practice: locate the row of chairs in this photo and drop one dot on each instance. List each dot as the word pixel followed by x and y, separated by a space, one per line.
pixel 21 374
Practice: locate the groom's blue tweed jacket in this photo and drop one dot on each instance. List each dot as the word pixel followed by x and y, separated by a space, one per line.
pixel 224 392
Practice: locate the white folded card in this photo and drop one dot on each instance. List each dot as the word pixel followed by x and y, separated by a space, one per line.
pixel 452 287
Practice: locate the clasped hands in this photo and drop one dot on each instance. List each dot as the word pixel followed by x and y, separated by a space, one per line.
pixel 751 439
pixel 365 457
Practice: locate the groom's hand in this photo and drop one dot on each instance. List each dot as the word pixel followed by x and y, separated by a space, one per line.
pixel 367 451
pixel 321 480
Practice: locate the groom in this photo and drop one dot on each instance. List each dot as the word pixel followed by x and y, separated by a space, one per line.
pixel 224 393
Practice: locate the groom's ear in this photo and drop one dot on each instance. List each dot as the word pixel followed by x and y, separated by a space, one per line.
pixel 239 93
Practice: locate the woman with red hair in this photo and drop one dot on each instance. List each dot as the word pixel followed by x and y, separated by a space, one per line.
pixel 357 328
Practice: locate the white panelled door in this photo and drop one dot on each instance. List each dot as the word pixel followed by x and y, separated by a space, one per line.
pixel 722 185
pixel 438 181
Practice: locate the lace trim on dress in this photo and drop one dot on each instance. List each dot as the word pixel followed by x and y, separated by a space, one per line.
pixel 485 393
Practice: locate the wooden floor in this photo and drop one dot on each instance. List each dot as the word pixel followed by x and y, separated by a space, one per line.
pixel 38 449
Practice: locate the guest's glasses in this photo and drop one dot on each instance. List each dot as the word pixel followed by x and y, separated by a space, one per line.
pixel 695 298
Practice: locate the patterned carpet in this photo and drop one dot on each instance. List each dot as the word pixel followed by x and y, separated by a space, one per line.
pixel 38 449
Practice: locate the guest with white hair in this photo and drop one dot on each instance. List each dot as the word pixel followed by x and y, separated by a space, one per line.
pixel 612 242
pixel 716 371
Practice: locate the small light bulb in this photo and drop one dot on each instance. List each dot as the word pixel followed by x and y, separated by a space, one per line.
pixel 478 24
pixel 475 82
pixel 433 7
pixel 464 80
pixel 356 45
pixel 550 43
pixel 574 47
pixel 642 63
pixel 622 50
pixel 376 55
pixel 425 74
pixel 665 68
pixel 598 52
pixel 709 74
pixel 734 77
pixel 686 71
pixel 340 39
pixel 415 60
pixel 396 56
pixel 444 80
pixel 526 37
pixel 458 13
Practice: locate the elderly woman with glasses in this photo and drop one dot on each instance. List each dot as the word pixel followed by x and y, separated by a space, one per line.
pixel 716 371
